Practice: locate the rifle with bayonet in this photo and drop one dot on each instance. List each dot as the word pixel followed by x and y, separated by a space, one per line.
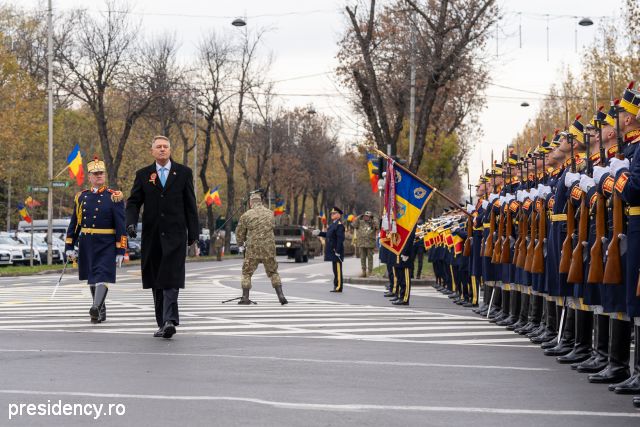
pixel 537 266
pixel 596 262
pixel 488 245
pixel 567 245
pixel 467 243
pixel 576 270
pixel 613 267
pixel 505 255
pixel 533 229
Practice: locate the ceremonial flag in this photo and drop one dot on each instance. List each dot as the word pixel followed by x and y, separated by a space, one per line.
pixel 213 196
pixel 351 217
pixel 323 218
pixel 31 202
pixel 74 160
pixel 373 171
pixel 22 210
pixel 279 210
pixel 404 200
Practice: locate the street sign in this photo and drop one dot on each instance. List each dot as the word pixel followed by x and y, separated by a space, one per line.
pixel 60 183
pixel 38 189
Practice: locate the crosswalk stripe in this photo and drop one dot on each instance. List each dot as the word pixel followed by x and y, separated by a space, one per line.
pixel 130 311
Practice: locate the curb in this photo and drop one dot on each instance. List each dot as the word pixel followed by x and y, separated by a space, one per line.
pixel 380 281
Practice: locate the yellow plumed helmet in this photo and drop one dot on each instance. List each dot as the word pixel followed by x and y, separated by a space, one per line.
pixel 96 165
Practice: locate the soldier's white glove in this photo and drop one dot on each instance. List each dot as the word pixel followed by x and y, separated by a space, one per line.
pixel 616 164
pixel 119 259
pixel 509 198
pixel 470 208
pixel 316 232
pixel 485 204
pixel 598 173
pixel 519 196
pixel 493 196
pixel 533 193
pixel 586 182
pixel 570 178
pixel 71 253
pixel 404 258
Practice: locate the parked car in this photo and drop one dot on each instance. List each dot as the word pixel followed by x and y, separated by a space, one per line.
pixel 134 249
pixel 5 257
pixel 40 245
pixel 20 253
pixel 233 244
pixel 58 226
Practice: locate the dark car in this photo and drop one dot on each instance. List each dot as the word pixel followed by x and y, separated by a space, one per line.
pixel 134 249
pixel 296 242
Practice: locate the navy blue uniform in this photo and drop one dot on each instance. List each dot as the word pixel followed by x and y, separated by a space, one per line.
pixel 97 227
pixel 403 269
pixel 334 251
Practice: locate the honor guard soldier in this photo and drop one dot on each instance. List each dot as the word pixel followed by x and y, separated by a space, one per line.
pixel 334 247
pixel 97 228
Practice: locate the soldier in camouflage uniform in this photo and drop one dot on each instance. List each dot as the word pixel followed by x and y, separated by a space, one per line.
pixel 255 233
pixel 366 232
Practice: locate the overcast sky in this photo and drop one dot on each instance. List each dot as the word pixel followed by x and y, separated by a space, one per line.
pixel 303 41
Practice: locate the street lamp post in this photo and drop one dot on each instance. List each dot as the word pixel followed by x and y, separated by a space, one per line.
pixel 50 112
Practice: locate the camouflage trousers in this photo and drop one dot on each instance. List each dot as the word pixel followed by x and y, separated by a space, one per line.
pixel 366 256
pixel 250 265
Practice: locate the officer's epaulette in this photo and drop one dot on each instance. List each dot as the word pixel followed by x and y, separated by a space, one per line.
pixel 116 195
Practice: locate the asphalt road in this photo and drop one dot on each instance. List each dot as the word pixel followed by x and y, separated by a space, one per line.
pixel 324 359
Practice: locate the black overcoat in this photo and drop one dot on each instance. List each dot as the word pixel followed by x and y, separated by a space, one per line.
pixel 169 220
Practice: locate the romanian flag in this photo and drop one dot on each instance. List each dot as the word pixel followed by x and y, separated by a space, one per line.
pixel 22 210
pixel 323 218
pixel 411 196
pixel 213 196
pixel 373 171
pixel 31 202
pixel 351 217
pixel 74 160
pixel 279 210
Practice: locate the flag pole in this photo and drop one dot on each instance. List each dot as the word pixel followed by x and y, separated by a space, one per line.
pixel 456 205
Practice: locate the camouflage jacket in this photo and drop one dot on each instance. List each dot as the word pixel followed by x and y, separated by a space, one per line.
pixel 255 232
pixel 366 233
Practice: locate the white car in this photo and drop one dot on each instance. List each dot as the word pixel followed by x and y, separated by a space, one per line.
pixel 5 257
pixel 20 254
pixel 40 245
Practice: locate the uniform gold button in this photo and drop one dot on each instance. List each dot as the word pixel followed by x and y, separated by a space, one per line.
pixel 96 208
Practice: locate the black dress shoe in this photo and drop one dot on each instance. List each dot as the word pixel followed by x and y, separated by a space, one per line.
pixel 400 302
pixel 389 294
pixel 593 365
pixel 168 330
pixel 159 333
pixel 336 291
pixel 511 320
pixel 613 373
pixel 575 356
pixel 630 386
pixel 467 305
pixel 395 298
pixel 546 336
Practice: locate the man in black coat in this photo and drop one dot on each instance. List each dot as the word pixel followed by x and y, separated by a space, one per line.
pixel 169 223
pixel 334 247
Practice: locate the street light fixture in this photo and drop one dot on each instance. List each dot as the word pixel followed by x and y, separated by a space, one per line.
pixel 524 104
pixel 239 22
pixel 585 22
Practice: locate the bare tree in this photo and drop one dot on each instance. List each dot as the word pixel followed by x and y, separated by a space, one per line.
pixel 100 66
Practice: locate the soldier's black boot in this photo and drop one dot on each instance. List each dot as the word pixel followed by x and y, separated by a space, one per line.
pixel 582 347
pixel 565 345
pixel 619 351
pixel 538 307
pixel 486 294
pixel 600 357
pixel 245 297
pixel 632 384
pixel 99 296
pixel 523 317
pixel 514 310
pixel 281 297
pixel 549 333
